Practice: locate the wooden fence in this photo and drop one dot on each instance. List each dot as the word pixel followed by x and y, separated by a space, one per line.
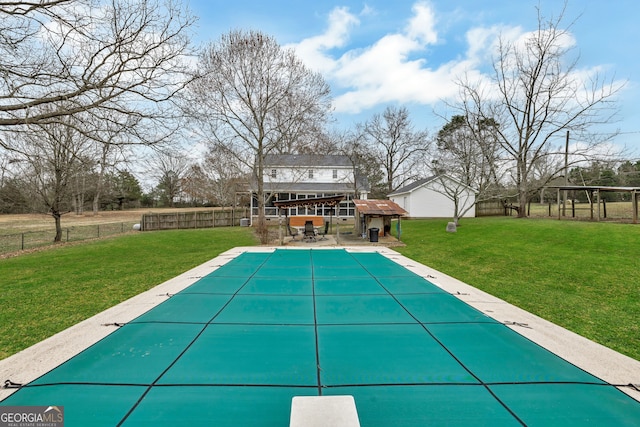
pixel 194 219
pixel 490 208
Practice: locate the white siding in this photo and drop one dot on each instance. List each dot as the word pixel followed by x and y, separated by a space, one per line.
pixel 425 202
pixel 320 174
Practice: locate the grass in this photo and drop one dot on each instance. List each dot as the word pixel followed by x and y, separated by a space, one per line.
pixel 583 276
pixel 45 292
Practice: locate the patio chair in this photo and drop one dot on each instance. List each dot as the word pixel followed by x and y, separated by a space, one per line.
pixel 309 231
pixel 293 232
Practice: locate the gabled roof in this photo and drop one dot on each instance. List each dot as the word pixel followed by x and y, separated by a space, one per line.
pixel 422 182
pixel 416 184
pixel 379 207
pixel 307 160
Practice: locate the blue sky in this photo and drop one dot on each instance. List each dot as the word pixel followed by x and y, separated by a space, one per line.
pixel 379 53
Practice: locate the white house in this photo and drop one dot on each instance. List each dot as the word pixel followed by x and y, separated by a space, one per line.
pixel 308 176
pixel 434 197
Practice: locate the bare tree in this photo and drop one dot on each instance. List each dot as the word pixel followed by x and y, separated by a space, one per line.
pixel 398 147
pixel 469 152
pixel 465 160
pixel 112 137
pixel 253 98
pixel 196 186
pixel 536 94
pixel 168 167
pixel 106 69
pixel 224 173
pixel 51 156
pixel 367 173
pixel 63 57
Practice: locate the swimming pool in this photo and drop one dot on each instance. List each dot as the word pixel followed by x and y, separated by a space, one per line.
pixel 233 348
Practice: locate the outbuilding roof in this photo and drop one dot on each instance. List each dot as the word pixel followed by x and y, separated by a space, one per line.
pixel 416 184
pixel 379 207
pixel 421 182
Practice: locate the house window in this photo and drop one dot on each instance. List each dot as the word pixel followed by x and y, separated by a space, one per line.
pixel 274 173
pixel 335 174
pixel 311 173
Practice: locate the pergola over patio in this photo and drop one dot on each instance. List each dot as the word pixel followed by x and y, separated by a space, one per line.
pixel 597 189
pixel 329 201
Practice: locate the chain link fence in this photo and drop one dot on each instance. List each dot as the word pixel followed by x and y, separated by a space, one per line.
pixel 34 239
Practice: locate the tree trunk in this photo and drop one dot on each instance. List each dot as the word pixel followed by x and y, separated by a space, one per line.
pixel 261 229
pixel 522 203
pixel 456 211
pixel 56 217
pixel 96 197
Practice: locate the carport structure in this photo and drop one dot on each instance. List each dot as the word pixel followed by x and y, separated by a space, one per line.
pixel 595 190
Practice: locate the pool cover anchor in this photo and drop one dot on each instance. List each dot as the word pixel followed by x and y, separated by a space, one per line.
pixel 522 325
pixel 11 384
pixel 119 325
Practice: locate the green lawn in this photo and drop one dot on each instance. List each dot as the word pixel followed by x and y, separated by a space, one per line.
pixel 584 276
pixel 45 292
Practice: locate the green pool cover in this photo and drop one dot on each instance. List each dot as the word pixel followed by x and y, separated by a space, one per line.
pixel 237 345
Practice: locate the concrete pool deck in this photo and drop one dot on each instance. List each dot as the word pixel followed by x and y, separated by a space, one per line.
pixel 602 362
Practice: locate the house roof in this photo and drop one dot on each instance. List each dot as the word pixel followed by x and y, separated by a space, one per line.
pixel 307 160
pixel 379 207
pixel 421 182
pixel 308 187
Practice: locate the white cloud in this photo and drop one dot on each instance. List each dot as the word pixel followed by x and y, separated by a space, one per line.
pixel 368 11
pixel 397 66
pixel 383 73
pixel 313 50
pixel 422 24
pixel 481 42
pixel 393 69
